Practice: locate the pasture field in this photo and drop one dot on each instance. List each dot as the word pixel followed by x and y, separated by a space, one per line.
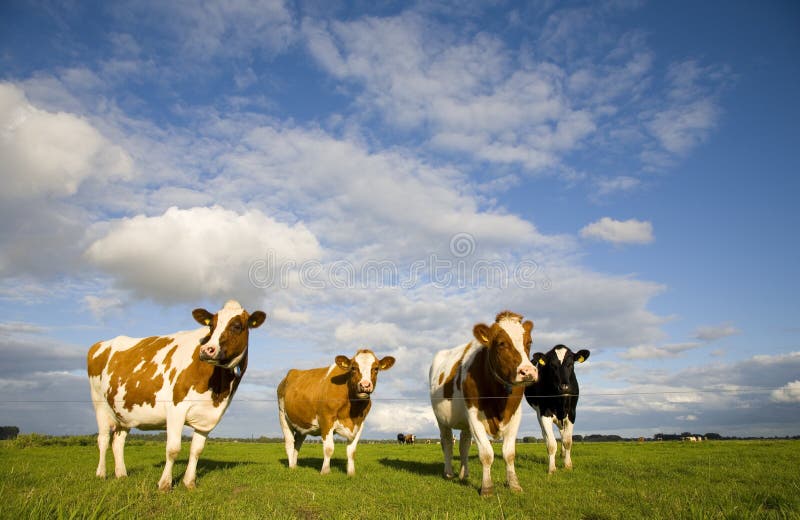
pixel 713 479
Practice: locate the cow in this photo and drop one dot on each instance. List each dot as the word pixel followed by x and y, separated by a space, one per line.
pixel 401 438
pixel 166 382
pixel 328 400
pixel 554 398
pixel 410 438
pixel 477 388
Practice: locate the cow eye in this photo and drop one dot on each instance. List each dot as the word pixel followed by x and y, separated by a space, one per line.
pixel 236 327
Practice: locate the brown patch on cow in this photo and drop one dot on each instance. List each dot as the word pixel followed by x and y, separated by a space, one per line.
pixel 484 392
pixel 172 375
pixel 95 365
pixel 441 378
pixel 168 357
pixel 135 370
pixel 454 378
pixel 202 377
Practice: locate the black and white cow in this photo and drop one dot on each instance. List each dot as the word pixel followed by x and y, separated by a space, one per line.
pixel 554 397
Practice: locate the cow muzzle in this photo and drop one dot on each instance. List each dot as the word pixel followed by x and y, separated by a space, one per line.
pixel 365 388
pixel 528 374
pixel 210 353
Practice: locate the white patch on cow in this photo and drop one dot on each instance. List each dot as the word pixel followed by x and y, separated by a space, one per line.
pixel 561 352
pixel 344 431
pixel 516 332
pixel 330 370
pixel 224 316
pixel 364 361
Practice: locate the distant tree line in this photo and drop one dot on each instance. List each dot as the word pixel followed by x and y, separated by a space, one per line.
pixel 8 433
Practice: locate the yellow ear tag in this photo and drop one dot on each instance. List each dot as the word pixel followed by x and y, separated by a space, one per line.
pixel 253 323
pixel 580 359
pixel 541 361
pixel 207 321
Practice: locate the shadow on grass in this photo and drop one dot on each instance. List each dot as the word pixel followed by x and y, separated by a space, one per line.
pixel 316 463
pixel 411 466
pixel 208 465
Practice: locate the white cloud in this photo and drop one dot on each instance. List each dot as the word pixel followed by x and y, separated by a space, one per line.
pixel 101 306
pixel 375 335
pixel 715 332
pixel 789 393
pixel 195 253
pixel 619 232
pixel 50 153
pixel 657 352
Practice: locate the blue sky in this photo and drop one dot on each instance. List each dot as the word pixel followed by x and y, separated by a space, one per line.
pixel 641 156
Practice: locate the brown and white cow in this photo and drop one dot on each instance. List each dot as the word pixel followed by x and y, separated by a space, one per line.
pixel 477 388
pixel 328 400
pixel 167 381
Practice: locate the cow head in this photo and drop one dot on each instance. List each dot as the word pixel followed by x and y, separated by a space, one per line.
pixel 508 343
pixel 363 371
pixel 226 342
pixel 558 368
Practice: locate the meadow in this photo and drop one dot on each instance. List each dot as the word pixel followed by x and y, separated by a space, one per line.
pixel 713 479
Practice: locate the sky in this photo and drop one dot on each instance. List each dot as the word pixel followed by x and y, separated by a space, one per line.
pixel 386 175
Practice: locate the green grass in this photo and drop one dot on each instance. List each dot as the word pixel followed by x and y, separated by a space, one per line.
pixel 724 479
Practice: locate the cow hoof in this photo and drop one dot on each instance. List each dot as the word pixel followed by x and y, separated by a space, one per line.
pixel 325 471
pixel 100 474
pixel 448 476
pixel 164 486
pixel 515 487
pixel 190 485
pixel 487 491
pixel 121 474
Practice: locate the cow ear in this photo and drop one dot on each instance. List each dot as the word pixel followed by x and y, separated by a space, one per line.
pixel 581 355
pixel 539 359
pixel 528 326
pixel 256 319
pixel 386 363
pixel 343 362
pixel 203 317
pixel 482 333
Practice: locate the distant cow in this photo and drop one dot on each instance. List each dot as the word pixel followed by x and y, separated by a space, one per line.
pixel 477 388
pixel 401 438
pixel 186 378
pixel 328 400
pixel 555 396
pixel 410 438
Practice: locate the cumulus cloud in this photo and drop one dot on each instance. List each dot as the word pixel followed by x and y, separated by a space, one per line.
pixel 715 332
pixel 630 231
pixel 50 153
pixel 789 393
pixel 195 253
pixel 657 352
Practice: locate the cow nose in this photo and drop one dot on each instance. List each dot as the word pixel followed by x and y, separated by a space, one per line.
pixel 365 386
pixel 209 351
pixel 529 373
pixel 564 389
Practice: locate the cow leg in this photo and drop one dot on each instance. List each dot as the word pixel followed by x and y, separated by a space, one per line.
pixel 463 453
pixel 298 443
pixel 547 433
pixel 485 452
pixel 175 422
pixel 104 426
pixel 566 443
pixel 290 438
pixel 118 448
pixel 327 452
pixel 198 443
pixel 510 451
pixel 351 452
pixel 446 436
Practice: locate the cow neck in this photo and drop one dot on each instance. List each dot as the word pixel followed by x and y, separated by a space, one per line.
pixel 507 386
